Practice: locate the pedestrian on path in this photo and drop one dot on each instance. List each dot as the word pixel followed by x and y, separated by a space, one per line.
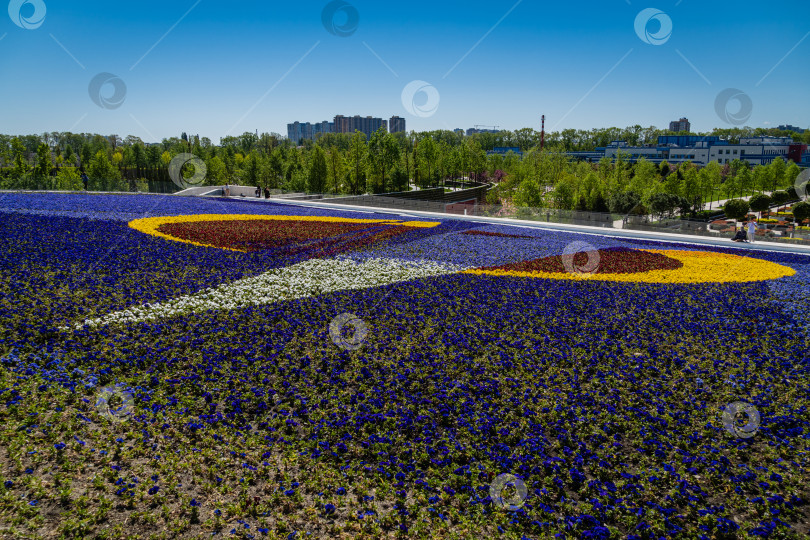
pixel 752 229
pixel 85 180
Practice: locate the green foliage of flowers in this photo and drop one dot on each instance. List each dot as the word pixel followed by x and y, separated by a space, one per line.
pixel 607 399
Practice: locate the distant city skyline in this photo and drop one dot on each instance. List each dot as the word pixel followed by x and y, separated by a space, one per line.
pixel 219 70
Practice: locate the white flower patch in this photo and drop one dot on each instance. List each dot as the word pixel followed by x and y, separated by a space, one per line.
pixel 301 280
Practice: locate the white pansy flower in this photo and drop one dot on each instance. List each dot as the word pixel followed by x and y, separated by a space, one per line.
pixel 302 280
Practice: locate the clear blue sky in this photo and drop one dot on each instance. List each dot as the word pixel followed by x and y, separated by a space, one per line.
pixel 235 67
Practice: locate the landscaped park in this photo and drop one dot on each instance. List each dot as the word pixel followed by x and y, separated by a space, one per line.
pixel 194 367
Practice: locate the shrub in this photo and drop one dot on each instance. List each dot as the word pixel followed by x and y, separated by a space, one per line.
pixel 736 208
pixel 801 211
pixel 759 202
pixel 664 204
pixel 780 197
pixel 624 203
pixel 708 214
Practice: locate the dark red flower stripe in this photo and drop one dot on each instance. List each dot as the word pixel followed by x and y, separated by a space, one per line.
pixel 611 261
pixel 499 235
pixel 290 237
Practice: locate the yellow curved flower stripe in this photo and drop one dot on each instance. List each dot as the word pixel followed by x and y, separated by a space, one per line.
pixel 698 267
pixel 150 225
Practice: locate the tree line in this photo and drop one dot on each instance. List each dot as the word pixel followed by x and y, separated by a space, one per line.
pixel 550 179
pixel 385 162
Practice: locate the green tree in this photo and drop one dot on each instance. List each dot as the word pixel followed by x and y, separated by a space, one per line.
pixel 759 202
pixel 664 204
pixel 736 209
pixel 645 174
pixel 762 178
pixel 103 174
pixel 68 178
pixel 358 150
pixel 252 170
pixel 801 211
pixel 18 153
pixel 780 197
pixel 672 184
pixel 85 155
pixel 625 202
pixel 138 155
pixel 42 169
pixel 399 179
pixel 792 172
pixel 745 181
pixel 68 156
pixel 564 192
pixel 275 166
pixel 776 171
pixel 691 189
pixel 316 180
pixel 529 194
pixel 217 172
pixel 337 168
pixel 383 153
pixel 428 153
pixel 153 156
pixel 713 177
pixel 477 158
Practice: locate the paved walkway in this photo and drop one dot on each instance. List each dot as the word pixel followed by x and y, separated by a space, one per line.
pixel 582 229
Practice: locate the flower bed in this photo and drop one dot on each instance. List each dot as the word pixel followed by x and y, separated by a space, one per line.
pixel 183 367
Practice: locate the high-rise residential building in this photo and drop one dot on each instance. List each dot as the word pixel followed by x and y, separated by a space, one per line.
pixel 680 125
pixel 396 124
pixel 342 124
pixel 367 124
pixel 305 130
pixel 294 132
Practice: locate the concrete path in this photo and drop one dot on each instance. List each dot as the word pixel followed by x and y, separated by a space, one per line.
pixel 582 229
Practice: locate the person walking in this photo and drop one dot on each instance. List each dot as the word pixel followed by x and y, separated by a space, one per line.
pixel 227 190
pixel 85 180
pixel 752 229
pixel 266 193
pixel 258 192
